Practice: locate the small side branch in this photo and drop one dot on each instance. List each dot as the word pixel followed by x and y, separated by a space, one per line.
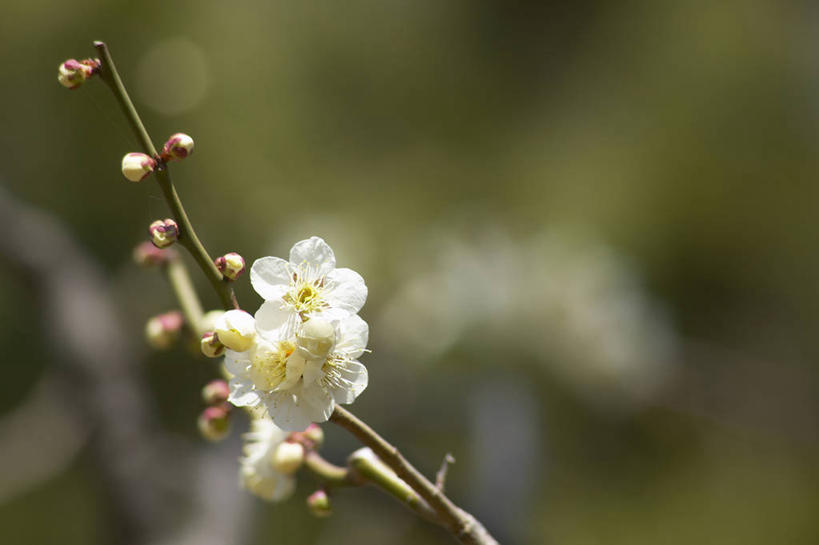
pixel 182 287
pixel 440 477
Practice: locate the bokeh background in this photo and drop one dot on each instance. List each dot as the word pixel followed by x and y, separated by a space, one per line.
pixel 588 231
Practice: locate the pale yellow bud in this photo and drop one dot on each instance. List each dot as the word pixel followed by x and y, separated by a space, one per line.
pixel 288 457
pixel 136 166
pixel 236 329
pixel 316 338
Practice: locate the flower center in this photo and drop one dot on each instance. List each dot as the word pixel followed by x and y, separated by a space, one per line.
pixel 305 295
pixel 269 366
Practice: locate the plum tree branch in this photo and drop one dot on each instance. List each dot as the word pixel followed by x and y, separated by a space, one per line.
pixel 463 526
pixel 187 235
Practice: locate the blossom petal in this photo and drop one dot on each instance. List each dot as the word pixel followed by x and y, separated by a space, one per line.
pixel 318 404
pixel 312 371
pixel 285 485
pixel 346 290
pixel 271 277
pixel 236 363
pixel 354 380
pixel 314 254
pixel 287 413
pixel 272 321
pixel 242 394
pixel 353 336
pixel 293 372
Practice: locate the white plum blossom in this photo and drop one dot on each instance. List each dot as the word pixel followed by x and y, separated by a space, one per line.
pixel 309 283
pixel 299 370
pixel 259 472
pixel 298 358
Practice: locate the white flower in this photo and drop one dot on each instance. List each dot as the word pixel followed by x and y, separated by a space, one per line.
pixel 257 469
pixel 309 283
pixel 236 330
pixel 299 371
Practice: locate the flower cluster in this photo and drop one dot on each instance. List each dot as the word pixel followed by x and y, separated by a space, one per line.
pixel 298 356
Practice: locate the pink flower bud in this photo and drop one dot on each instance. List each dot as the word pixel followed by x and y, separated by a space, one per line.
pixel 178 146
pixel 319 504
pixel 232 265
pixel 162 331
pixel 215 392
pixel 211 346
pixel 147 255
pixel 163 232
pixel 72 73
pixel 136 166
pixel 214 422
pixel 314 434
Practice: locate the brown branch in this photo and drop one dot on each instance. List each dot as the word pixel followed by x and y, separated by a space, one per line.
pixel 463 526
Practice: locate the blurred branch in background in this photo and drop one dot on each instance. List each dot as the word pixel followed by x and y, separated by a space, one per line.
pixel 95 386
pixel 61 433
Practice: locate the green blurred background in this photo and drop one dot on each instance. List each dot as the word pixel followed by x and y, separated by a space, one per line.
pixel 586 229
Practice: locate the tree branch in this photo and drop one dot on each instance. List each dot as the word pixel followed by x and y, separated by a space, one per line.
pixel 462 525
pixel 187 236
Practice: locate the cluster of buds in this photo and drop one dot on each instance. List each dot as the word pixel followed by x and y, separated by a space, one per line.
pixel 234 329
pixel 73 73
pixel 214 421
pixel 178 146
pixel 137 166
pixel 148 255
pixel 231 265
pixel 163 232
pixel 162 331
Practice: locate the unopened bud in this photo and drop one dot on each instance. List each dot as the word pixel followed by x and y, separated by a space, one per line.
pixel 136 166
pixel 319 504
pixel 162 331
pixel 288 457
pixel 210 345
pixel 314 434
pixel 316 338
pixel 163 232
pixel 215 392
pixel 178 146
pixel 236 329
pixel 147 255
pixel 214 423
pixel 72 73
pixel 232 265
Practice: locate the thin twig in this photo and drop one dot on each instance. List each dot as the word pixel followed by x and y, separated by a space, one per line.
pixel 187 236
pixel 185 293
pixel 440 477
pixel 331 474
